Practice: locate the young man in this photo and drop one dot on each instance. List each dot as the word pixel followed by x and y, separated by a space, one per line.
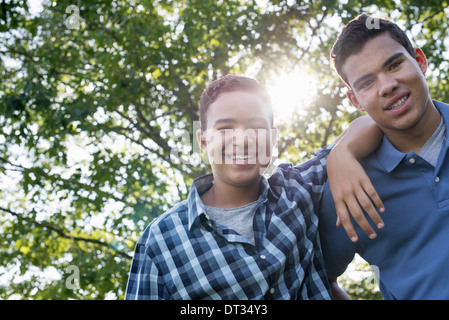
pixel 239 235
pixel 410 169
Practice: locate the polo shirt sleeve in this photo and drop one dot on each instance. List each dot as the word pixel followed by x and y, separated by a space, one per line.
pixel 338 250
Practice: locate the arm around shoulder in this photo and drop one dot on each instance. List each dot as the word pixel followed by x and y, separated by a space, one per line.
pixel 362 137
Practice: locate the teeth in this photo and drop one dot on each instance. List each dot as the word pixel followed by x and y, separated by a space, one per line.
pixel 398 103
pixel 241 158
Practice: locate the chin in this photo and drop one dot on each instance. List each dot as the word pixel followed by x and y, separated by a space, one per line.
pixel 243 181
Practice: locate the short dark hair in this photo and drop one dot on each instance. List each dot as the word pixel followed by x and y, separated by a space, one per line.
pixel 232 83
pixel 357 33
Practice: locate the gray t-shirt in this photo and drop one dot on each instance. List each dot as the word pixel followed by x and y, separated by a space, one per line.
pixel 239 219
pixel 431 149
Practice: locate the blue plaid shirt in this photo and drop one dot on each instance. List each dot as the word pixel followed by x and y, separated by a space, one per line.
pixel 183 254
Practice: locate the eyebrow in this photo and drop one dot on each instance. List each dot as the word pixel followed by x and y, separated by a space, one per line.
pixel 232 120
pixel 224 120
pixel 392 58
pixel 361 79
pixel 386 63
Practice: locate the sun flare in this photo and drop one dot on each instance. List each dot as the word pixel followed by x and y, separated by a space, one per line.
pixel 291 92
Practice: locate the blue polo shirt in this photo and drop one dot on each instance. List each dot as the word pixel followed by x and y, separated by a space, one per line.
pixel 412 250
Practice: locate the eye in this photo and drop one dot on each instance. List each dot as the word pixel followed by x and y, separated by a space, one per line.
pixel 257 125
pixel 365 84
pixel 256 128
pixel 395 65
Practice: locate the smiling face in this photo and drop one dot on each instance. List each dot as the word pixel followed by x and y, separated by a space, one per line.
pixel 238 138
pixel 389 84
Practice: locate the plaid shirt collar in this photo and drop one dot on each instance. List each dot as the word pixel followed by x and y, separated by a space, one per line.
pixel 201 185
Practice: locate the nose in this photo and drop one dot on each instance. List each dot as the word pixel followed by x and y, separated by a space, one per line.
pixel 388 85
pixel 242 136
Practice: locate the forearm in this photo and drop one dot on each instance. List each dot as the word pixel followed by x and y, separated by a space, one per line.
pixel 361 138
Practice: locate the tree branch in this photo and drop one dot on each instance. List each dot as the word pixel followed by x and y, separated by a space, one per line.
pixel 63 234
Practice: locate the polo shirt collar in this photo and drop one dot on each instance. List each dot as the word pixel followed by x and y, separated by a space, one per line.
pixel 444 111
pixel 200 185
pixel 390 157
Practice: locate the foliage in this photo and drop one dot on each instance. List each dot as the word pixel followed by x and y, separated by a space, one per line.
pixel 359 281
pixel 97 119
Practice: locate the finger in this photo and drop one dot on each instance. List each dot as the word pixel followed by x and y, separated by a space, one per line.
pixel 374 196
pixel 343 219
pixel 359 217
pixel 370 209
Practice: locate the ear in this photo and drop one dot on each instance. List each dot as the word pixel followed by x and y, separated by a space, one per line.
pixel 201 138
pixel 351 95
pixel 420 57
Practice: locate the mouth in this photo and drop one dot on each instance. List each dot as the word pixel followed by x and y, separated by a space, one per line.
pixel 242 159
pixel 398 103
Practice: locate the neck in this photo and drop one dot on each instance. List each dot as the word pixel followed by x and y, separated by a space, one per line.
pixel 225 196
pixel 413 139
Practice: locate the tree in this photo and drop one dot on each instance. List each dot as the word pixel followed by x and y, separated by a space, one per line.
pixel 98 106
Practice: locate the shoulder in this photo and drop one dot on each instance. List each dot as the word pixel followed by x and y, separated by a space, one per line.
pixel 166 224
pixel 312 171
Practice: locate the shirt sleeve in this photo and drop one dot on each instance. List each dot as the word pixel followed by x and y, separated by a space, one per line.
pixel 338 250
pixel 145 281
pixel 314 171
